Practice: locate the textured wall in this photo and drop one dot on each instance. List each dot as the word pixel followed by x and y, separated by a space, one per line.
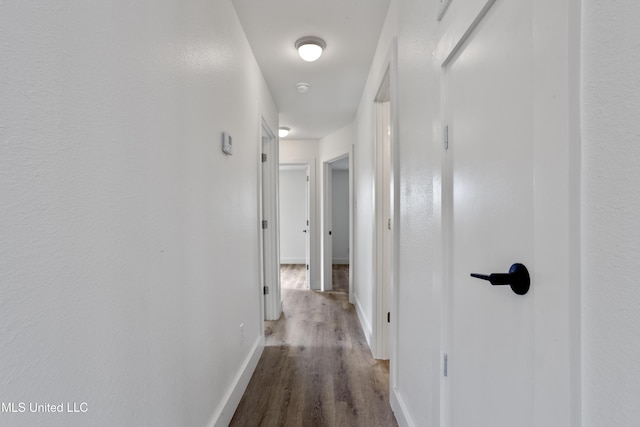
pixel 122 222
pixel 611 209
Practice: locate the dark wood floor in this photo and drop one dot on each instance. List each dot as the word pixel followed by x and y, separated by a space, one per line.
pixel 340 277
pixel 316 368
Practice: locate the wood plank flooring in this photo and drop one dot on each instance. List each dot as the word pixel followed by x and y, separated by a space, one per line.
pixel 316 368
pixel 340 278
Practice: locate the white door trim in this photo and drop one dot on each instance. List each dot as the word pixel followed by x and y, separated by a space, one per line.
pixel 270 270
pixel 309 165
pixel 384 334
pixel 326 238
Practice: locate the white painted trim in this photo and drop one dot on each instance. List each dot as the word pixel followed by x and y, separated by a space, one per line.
pixel 224 413
pixel 454 38
pixel 384 335
pixel 269 173
pixel 352 221
pixel 314 229
pixel 364 323
pixel 326 251
pixel 293 261
pixel 326 240
pixel 400 409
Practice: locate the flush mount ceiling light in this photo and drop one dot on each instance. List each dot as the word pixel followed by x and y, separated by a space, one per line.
pixel 303 87
pixel 283 131
pixel 310 48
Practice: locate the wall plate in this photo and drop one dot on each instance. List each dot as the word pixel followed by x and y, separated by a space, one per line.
pixel 227 143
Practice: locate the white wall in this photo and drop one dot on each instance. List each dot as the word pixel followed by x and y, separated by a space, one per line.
pixel 363 170
pixel 122 221
pixel 306 152
pixel 340 216
pixel 333 146
pixel 418 352
pixel 416 366
pixel 610 213
pixel 293 188
pixel 337 144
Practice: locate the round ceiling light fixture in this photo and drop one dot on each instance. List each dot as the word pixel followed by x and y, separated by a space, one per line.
pixel 303 87
pixel 310 48
pixel 283 131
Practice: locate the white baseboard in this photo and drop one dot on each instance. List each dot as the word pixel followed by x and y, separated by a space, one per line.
pixel 364 322
pixel 223 415
pixel 293 261
pixel 340 261
pixel 400 410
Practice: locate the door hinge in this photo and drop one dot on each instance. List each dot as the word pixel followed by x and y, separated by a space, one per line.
pixel 445 364
pixel 307 267
pixel 388 317
pixel 446 137
pixel 265 224
pixel 307 178
pixel 307 223
pixel 264 158
pixel 389 223
pixel 265 289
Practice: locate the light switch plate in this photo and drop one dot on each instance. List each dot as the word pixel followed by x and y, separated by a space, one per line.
pixel 227 143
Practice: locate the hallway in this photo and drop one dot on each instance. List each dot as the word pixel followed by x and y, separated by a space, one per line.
pixel 140 147
pixel 316 369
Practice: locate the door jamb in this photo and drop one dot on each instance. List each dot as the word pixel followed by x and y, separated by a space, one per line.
pixel 269 211
pixel 327 260
pixel 314 282
pixel 310 168
pixel 386 346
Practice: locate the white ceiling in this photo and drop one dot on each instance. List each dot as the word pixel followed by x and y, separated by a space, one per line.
pixel 350 28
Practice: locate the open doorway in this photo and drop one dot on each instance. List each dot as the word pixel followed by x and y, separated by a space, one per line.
pixel 337 225
pixel 340 226
pixel 295 230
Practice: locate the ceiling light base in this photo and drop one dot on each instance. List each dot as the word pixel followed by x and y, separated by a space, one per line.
pixel 310 47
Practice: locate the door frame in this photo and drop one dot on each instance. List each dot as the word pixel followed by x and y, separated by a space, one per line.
pixel 310 170
pixel 384 334
pixel 326 238
pixel 310 163
pixel 327 250
pixel 556 133
pixel 270 237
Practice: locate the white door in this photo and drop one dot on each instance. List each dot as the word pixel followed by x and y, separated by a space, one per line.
pixel 491 220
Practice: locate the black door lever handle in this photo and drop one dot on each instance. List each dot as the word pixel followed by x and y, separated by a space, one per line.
pixel 517 277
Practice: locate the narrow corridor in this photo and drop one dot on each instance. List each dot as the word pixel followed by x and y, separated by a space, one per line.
pixel 316 369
